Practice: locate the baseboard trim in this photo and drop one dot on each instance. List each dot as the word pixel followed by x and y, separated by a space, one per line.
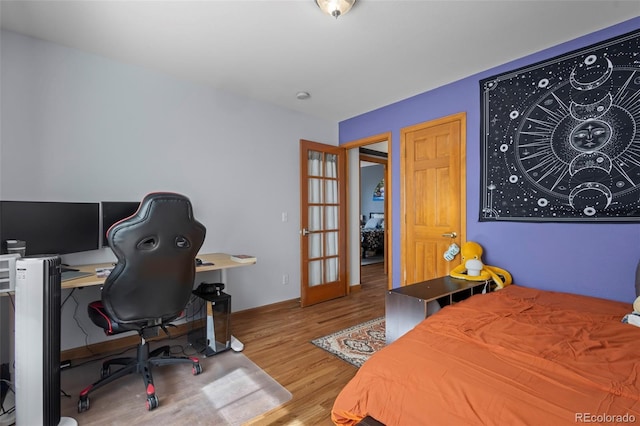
pixel 284 304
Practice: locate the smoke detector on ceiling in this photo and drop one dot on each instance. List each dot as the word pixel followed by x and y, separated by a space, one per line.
pixel 303 95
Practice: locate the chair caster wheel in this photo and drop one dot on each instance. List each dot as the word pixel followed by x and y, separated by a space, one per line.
pixel 196 369
pixel 152 402
pixel 105 371
pixel 83 404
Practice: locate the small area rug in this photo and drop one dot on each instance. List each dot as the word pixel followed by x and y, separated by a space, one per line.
pixel 355 344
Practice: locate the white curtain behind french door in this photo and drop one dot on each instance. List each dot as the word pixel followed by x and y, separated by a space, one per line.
pixel 323 217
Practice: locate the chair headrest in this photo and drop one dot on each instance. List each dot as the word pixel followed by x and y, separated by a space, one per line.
pixel 156 250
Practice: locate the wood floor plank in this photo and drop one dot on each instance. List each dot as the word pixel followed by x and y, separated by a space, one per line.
pixel 278 340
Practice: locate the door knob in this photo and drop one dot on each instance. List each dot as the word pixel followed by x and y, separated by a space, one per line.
pixel 450 234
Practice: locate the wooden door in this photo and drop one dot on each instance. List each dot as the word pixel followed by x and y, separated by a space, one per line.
pixel 433 204
pixel 323 222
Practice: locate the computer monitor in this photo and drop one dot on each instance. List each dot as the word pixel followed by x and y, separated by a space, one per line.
pixel 50 227
pixel 114 211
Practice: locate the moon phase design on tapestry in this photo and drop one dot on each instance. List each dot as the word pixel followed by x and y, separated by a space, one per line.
pixel 561 138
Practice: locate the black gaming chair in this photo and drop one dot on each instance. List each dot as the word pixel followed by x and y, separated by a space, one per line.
pixel 149 286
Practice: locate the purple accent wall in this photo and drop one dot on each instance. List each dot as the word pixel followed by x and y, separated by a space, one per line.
pixel 592 259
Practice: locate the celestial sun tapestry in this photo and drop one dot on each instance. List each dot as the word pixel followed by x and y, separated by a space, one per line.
pixel 561 138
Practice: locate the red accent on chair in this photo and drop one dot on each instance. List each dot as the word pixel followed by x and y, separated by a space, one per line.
pixel 96 309
pixel 86 390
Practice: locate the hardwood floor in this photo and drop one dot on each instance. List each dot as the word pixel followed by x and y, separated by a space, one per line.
pixel 278 340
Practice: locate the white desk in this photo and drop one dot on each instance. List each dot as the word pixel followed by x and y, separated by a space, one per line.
pixel 221 262
pixel 217 262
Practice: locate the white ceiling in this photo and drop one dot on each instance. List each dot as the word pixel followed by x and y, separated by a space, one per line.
pixel 381 52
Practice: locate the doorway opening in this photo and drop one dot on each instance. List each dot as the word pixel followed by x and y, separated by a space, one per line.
pixel 369 192
pixel 373 170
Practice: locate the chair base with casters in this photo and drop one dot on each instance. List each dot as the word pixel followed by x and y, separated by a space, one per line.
pixel 141 364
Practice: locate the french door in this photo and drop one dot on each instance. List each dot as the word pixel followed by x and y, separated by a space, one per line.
pixel 323 222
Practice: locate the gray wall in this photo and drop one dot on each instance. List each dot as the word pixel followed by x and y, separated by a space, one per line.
pixel 79 127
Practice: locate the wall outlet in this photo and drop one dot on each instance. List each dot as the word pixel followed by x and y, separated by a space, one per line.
pixel 285 217
pixel 285 279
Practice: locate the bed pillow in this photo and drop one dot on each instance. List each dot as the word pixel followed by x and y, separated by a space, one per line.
pixel 373 223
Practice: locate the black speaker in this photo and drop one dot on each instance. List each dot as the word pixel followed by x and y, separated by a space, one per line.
pixel 209 288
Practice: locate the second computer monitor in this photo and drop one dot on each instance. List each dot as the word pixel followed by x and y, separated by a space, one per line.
pixel 115 211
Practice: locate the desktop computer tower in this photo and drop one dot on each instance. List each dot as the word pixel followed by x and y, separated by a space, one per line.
pixel 8 272
pixel 215 336
pixel 37 341
pixel 7 284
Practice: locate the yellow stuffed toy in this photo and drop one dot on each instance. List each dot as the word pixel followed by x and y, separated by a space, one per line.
pixel 473 269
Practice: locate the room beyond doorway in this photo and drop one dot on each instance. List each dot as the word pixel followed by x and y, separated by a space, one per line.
pixel 373 277
pixel 375 145
pixel 371 260
pixel 372 202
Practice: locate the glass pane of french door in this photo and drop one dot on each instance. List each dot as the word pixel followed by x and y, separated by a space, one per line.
pixel 323 201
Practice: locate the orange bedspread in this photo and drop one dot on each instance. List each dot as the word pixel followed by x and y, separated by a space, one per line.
pixel 516 356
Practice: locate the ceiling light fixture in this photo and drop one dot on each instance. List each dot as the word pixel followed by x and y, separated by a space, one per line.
pixel 303 95
pixel 335 8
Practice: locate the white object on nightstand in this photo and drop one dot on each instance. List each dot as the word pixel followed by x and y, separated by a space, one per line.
pixel 474 266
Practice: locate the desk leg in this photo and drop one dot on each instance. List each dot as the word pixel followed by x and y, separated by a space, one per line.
pixel 236 344
pixel 211 334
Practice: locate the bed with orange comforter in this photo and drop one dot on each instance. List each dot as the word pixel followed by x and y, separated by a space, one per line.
pixel 515 356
